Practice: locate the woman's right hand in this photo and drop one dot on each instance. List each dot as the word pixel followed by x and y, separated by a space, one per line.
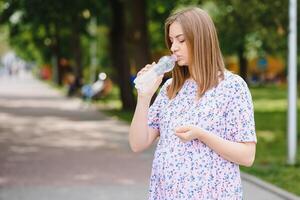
pixel 149 91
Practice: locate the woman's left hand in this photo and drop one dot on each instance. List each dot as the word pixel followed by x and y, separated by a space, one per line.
pixel 189 132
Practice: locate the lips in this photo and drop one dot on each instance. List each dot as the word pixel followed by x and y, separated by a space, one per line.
pixel 179 58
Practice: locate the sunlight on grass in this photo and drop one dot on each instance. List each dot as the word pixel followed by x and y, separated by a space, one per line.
pixel 109 105
pixel 266 135
pixel 266 105
pixel 271 105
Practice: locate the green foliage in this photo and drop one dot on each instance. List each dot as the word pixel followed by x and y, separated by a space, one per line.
pixel 4 46
pixel 158 13
pixel 33 31
pixel 253 24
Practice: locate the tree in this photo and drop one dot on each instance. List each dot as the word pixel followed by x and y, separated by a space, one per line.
pixel 138 33
pixel 239 21
pixel 61 28
pixel 119 54
pixel 158 13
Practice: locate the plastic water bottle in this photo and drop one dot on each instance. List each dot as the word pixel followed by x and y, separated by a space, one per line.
pixel 165 64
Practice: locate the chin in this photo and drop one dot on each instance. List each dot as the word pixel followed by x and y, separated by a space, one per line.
pixel 181 63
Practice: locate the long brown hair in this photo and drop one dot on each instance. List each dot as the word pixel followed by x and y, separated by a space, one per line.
pixel 203 47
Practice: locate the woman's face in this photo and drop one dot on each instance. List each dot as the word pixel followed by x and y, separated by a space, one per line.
pixel 178 44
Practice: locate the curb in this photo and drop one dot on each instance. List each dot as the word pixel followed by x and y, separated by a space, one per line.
pixel 269 187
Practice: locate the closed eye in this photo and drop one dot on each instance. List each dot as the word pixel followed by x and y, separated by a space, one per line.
pixel 176 37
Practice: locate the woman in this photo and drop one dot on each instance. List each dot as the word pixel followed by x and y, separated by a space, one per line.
pixel 203 117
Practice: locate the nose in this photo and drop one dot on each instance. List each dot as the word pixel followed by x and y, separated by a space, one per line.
pixel 174 47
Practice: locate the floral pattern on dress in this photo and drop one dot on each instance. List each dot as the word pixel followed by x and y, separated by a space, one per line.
pixel 191 170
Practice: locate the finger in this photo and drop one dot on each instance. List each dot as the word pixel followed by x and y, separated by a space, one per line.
pixel 159 79
pixel 182 137
pixel 142 70
pixel 145 68
pixel 150 66
pixel 182 129
pixel 187 136
pixel 139 73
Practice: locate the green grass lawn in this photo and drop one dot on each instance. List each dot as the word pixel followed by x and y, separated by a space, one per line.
pixel 270 104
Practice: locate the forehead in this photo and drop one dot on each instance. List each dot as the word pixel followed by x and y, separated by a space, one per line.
pixel 175 29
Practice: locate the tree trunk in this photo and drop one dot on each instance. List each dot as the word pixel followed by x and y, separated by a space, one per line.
pixel 139 33
pixel 243 63
pixel 57 55
pixel 76 48
pixel 119 54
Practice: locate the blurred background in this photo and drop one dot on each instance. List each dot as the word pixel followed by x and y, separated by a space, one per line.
pixel 71 45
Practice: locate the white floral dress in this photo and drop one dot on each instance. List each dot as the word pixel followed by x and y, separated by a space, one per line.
pixel 190 171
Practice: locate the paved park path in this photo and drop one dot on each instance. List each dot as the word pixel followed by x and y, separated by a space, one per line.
pixel 53 149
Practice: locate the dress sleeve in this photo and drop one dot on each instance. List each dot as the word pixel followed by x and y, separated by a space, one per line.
pixel 155 108
pixel 240 123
